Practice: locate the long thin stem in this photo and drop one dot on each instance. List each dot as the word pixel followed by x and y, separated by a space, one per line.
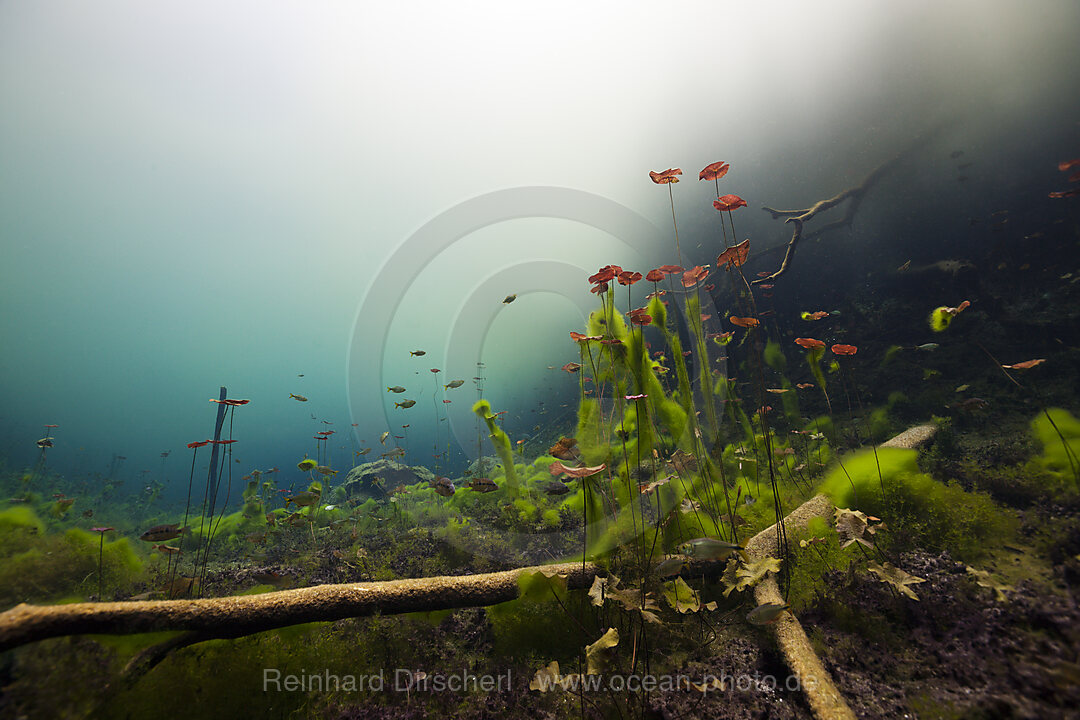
pixel 100 558
pixel 671 197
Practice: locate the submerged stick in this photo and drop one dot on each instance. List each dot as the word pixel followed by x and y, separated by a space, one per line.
pixel 231 617
pixel 804 215
pixel 824 698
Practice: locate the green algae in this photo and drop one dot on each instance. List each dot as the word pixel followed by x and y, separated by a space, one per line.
pixel 501 442
pixel 919 511
pixel 1058 432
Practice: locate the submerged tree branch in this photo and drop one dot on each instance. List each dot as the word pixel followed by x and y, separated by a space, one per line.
pixel 799 218
pixel 231 617
pixel 824 698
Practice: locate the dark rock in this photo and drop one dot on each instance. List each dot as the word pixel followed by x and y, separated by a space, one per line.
pixel 376 479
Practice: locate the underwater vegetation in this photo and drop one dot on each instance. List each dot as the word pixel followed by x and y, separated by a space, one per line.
pixel 703 418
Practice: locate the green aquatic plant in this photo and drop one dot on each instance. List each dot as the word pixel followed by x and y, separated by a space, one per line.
pixel 852 485
pixel 919 510
pixel 20 518
pixel 774 356
pixel 101 550
pixel 941 317
pixel 1058 432
pixel 879 424
pixel 815 350
pixel 46 567
pixel 501 442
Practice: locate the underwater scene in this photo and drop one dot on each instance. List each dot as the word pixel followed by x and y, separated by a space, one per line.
pixel 573 360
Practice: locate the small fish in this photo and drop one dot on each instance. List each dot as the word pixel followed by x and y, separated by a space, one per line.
pixel 297 519
pixel 739 520
pixel 803 386
pixel 167 549
pixel 483 485
pixel 406 404
pixel 766 614
pixel 303 498
pixel 670 567
pixel 444 486
pixel 271 577
pixel 509 299
pixel 707 548
pixel 365 451
pixel 62 506
pixel 927 347
pixel 300 375
pixel 300 398
pixel 453 384
pixel 970 404
pixel 962 388
pixel 554 487
pixel 325 470
pixel 44 442
pixel 160 533
pixel 418 353
pixel 904 267
pixel 382 438
pixel 395 389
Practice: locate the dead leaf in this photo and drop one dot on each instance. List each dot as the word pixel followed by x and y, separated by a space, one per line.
pixel 599 653
pixel 986 580
pixel 546 678
pixel 683 598
pixel 630 599
pixel 851 526
pixel 600 588
pixel 889 573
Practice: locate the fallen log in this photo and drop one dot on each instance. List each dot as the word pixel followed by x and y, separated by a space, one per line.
pixel 824 698
pixel 230 617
